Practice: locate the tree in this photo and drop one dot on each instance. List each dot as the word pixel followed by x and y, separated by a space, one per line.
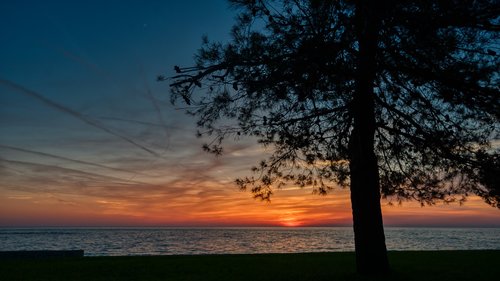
pixel 398 99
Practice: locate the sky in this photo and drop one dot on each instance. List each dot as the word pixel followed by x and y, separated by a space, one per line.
pixel 89 138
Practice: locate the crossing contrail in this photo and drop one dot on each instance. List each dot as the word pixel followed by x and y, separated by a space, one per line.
pixel 87 175
pixel 67 159
pixel 73 113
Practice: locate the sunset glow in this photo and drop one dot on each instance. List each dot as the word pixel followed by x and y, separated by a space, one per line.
pixel 89 138
pixel 223 207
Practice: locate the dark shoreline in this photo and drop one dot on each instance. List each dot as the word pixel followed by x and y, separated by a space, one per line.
pixel 41 254
pixel 477 265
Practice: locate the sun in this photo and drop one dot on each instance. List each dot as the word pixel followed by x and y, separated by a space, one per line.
pixel 289 221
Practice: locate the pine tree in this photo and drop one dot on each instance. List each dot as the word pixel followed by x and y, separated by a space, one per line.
pixel 398 99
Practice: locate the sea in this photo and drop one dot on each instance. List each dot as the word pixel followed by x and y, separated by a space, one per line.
pixel 120 241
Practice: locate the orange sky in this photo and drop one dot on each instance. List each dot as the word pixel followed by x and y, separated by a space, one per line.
pixel 213 206
pixel 183 188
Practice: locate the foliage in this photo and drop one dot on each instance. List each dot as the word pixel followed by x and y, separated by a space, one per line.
pixel 288 76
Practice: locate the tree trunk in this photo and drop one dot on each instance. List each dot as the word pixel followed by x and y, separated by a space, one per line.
pixel 371 252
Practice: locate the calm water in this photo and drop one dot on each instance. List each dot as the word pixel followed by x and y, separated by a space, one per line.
pixel 174 241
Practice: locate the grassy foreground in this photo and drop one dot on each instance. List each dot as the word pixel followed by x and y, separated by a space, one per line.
pixel 438 265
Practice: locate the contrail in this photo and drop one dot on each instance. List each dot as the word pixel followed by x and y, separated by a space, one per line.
pixel 89 175
pixel 158 112
pixel 129 121
pixel 93 67
pixel 67 159
pixel 73 113
pixel 157 109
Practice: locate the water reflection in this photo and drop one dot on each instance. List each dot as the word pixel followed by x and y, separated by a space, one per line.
pixel 188 241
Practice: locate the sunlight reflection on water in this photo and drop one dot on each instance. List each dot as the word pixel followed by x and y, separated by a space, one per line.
pixel 192 241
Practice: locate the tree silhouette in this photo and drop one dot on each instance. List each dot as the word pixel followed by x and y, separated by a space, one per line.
pixel 391 98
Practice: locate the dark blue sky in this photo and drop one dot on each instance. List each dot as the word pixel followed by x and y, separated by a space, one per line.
pixel 66 46
pixel 98 58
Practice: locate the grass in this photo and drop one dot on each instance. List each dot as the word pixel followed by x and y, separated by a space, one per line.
pixel 437 265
